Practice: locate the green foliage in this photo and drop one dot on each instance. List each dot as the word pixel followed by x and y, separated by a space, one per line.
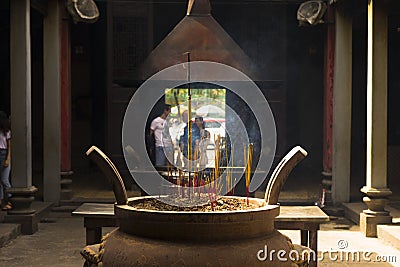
pixel 199 96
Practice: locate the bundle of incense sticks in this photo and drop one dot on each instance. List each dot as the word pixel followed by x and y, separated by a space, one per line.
pixel 229 170
pixel 216 155
pixel 199 170
pixel 248 157
pixel 179 181
pixel 217 151
pixel 211 200
pixel 213 190
pixel 195 170
pixel 227 167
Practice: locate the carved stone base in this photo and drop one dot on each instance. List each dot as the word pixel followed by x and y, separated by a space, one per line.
pixel 29 222
pixel 375 214
pixel 66 192
pixel 21 199
pixel 376 192
pixel 22 212
pixel 375 205
pixel 368 223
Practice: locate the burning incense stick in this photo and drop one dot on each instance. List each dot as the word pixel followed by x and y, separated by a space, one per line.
pixel 248 156
pixel 245 163
pixel 215 159
pixel 189 122
pixel 211 200
pixel 200 170
pixel 227 168
pixel 232 186
pixel 180 179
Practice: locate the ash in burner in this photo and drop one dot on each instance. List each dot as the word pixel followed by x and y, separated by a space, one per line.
pixel 221 204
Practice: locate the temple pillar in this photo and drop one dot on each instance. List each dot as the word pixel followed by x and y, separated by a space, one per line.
pixel 51 102
pixel 376 180
pixel 21 128
pixel 21 148
pixel 66 171
pixel 342 100
pixel 329 72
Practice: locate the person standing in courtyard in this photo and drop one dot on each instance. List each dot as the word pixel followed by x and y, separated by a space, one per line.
pixel 5 160
pixel 184 139
pixel 163 141
pixel 203 143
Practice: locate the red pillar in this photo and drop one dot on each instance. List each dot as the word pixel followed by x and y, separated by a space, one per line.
pixel 65 95
pixel 328 93
pixel 329 66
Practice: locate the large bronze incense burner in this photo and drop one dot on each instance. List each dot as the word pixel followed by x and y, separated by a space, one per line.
pixel 153 237
pixel 171 238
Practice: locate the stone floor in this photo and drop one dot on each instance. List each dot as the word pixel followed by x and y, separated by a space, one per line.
pixel 57 243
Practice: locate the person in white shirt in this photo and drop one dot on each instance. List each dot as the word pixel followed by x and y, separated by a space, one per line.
pixel 5 158
pixel 163 142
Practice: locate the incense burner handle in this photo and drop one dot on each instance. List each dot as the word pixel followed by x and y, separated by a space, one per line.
pixel 281 173
pixel 111 172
